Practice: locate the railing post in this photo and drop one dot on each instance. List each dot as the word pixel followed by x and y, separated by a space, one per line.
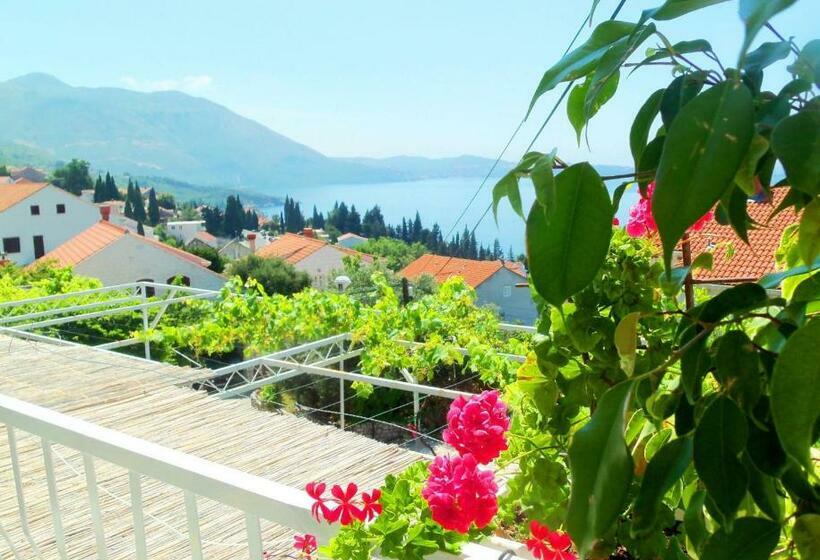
pixel 18 485
pixel 147 343
pixel 94 503
pixel 54 502
pixel 342 403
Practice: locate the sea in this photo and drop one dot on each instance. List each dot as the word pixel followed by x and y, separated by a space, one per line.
pixel 437 201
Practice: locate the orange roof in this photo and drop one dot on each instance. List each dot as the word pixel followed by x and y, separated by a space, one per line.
pixel 98 237
pixel 441 268
pixel 293 248
pixel 11 194
pixel 205 237
pixel 749 261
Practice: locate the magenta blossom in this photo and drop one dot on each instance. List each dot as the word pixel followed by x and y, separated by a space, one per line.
pixel 478 425
pixel 460 494
pixel 641 221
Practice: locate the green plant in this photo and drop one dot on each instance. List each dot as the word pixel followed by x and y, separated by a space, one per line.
pixel 275 276
pixel 655 411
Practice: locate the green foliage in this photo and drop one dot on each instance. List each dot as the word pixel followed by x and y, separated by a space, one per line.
pixel 396 253
pixel 404 530
pixel 73 176
pixel 218 262
pixel 275 276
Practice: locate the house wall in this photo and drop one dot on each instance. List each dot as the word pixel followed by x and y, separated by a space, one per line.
pixel 55 228
pixel 322 266
pixel 351 242
pixel 235 250
pixel 184 231
pixel 517 307
pixel 130 259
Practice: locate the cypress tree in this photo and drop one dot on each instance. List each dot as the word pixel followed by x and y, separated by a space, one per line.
pixel 112 192
pixel 129 198
pixel 140 229
pixel 137 204
pixel 153 208
pixel 100 195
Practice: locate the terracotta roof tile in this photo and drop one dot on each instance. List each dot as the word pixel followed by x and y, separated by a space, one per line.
pixel 12 193
pixel 98 237
pixel 749 261
pixel 294 248
pixel 441 268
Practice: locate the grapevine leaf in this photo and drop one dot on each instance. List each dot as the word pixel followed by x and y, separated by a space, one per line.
pixel 704 148
pixel 582 61
pixel 639 133
pixel 751 538
pixel 795 392
pixel 601 468
pixel 626 341
pixel 567 244
pixel 719 439
pixel 796 142
pixel 665 468
pixel 808 240
pixel 755 14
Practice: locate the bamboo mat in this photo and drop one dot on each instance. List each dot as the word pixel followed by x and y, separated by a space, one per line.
pixel 151 401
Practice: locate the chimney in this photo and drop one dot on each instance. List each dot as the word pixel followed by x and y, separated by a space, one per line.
pixel 252 242
pixel 307 232
pixel 105 212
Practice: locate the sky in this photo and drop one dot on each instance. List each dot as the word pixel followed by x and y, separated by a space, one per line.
pixel 375 78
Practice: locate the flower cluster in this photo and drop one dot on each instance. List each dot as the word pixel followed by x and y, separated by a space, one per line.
pixel 458 492
pixel 478 426
pixel 549 545
pixel 343 505
pixel 642 222
pixel 306 545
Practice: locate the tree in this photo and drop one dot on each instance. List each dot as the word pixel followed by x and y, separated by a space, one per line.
pixel 4 171
pixel 153 208
pixel 167 201
pixel 138 204
pixel 213 218
pixel 140 229
pixel 210 254
pixel 317 220
pixel 396 253
pixel 128 210
pixel 373 223
pixel 100 194
pixel 73 177
pixel 354 221
pixel 276 276
pixel 234 220
pixel 111 190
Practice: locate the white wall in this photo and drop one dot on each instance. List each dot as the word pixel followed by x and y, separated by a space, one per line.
pixel 184 231
pixel 130 259
pixel 322 266
pixel 514 304
pixel 55 228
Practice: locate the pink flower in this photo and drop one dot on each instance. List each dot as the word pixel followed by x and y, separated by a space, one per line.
pixel 460 494
pixel 305 544
pixel 477 426
pixel 370 504
pixel 347 511
pixel 641 221
pixel 549 545
pixel 316 490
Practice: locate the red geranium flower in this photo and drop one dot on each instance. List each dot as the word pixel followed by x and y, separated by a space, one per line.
pixel 346 511
pixel 370 504
pixel 306 544
pixel 316 490
pixel 460 494
pixel 477 426
pixel 549 545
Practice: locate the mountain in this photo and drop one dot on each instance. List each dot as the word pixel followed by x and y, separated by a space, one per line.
pixel 183 138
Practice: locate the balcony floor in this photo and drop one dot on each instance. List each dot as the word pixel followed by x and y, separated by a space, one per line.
pixel 151 401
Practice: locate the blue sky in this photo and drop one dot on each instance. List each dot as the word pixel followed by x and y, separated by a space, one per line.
pixel 376 78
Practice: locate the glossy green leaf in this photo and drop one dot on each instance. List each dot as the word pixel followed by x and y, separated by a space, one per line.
pixel 766 55
pixel 764 448
pixel 639 133
pixel 745 176
pixel 807 65
pixel 704 261
pixel 808 240
pixel 626 341
pixel 773 280
pixel 683 47
pixel 719 439
pixel 751 538
pixel 806 535
pixel 734 202
pixel 650 157
pixel 665 468
pixel 704 148
pixel 672 283
pixel 795 392
pixel 755 14
pixel 581 61
pixel 601 468
pixel 507 187
pixel 796 142
pixel 737 299
pixel 693 364
pixel 672 9
pixel 543 180
pixel 763 491
pixel 694 521
pixel 681 91
pixel 617 195
pixel 568 243
pixel 579 112
pixel 737 367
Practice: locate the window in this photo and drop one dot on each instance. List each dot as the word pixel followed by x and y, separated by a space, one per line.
pixel 507 291
pixel 61 208
pixel 35 210
pixel 11 244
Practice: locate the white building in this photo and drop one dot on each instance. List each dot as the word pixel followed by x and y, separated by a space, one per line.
pixel 321 260
pixel 185 231
pixel 351 240
pixel 116 256
pixel 36 218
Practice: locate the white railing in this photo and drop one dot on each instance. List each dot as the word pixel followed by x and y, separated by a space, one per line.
pixel 256 497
